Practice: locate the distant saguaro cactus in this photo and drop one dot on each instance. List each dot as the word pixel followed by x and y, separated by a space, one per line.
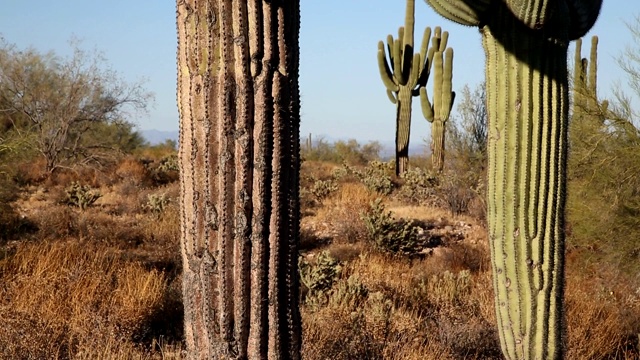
pixel 437 113
pixel 403 73
pixel 586 106
pixel 239 106
pixel 526 43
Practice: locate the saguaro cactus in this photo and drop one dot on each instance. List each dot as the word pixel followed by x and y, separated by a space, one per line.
pixel 438 112
pixel 403 74
pixel 239 106
pixel 586 106
pixel 526 42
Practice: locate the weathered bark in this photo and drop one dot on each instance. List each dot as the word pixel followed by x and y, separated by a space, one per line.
pixel 239 106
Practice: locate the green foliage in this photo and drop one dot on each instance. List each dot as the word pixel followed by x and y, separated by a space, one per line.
pixel 74 110
pixel 389 235
pixel 349 151
pixel 419 187
pixel 319 277
pixel 81 196
pixel 468 130
pixel 321 189
pixel 349 294
pixel 375 176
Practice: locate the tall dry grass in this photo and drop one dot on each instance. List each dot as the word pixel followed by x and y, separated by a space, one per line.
pixel 65 298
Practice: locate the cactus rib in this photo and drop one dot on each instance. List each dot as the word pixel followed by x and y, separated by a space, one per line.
pixel 527 104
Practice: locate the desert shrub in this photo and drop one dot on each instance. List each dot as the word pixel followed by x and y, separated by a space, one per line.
pixel 165 171
pixel 132 171
pixel 157 203
pixel 390 235
pixel 419 187
pixel 321 189
pixel 445 289
pixel 81 196
pixel 319 277
pixel 349 151
pixel 349 293
pixel 375 176
pixel 457 191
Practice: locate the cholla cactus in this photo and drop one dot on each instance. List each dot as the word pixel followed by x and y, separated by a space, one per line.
pixel 81 196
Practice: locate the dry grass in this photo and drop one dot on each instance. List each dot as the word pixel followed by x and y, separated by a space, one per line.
pixel 104 283
pixel 66 298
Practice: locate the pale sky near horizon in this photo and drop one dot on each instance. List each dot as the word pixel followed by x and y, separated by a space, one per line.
pixel 342 94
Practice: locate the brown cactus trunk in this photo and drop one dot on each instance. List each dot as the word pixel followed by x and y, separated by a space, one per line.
pixel 239 106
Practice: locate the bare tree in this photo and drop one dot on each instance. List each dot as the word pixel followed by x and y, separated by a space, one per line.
pixel 468 134
pixel 239 106
pixel 60 100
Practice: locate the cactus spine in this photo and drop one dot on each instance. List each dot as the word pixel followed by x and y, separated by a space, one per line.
pixel 239 106
pixel 526 43
pixel 438 112
pixel 403 74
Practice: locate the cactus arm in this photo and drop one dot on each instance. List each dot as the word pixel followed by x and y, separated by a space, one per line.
pixel 443 41
pixel 390 50
pixel 437 85
pixel 392 96
pixel 447 84
pixel 414 76
pixel 423 63
pixel 427 109
pixel 385 73
pixel 407 41
pixel 464 12
pixel 583 15
pixel 593 66
pixel 397 62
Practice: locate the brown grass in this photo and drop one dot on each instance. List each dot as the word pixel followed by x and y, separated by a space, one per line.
pixel 104 283
pixel 67 297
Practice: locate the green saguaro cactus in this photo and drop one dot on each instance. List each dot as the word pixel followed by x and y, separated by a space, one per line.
pixel 526 43
pixel 586 106
pixel 437 113
pixel 403 73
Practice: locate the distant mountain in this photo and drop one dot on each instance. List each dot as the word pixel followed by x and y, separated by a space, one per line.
pixel 155 137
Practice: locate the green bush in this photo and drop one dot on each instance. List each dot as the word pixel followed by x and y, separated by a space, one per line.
pixel 388 235
pixel 375 176
pixel 319 277
pixel 321 189
pixel 419 187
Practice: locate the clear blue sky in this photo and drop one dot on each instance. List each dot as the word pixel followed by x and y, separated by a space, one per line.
pixel 342 94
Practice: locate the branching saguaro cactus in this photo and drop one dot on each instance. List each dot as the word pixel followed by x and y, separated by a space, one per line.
pixel 526 43
pixel 403 73
pixel 239 106
pixel 586 106
pixel 437 113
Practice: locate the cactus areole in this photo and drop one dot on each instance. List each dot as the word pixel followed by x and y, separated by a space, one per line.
pixel 239 107
pixel 526 43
